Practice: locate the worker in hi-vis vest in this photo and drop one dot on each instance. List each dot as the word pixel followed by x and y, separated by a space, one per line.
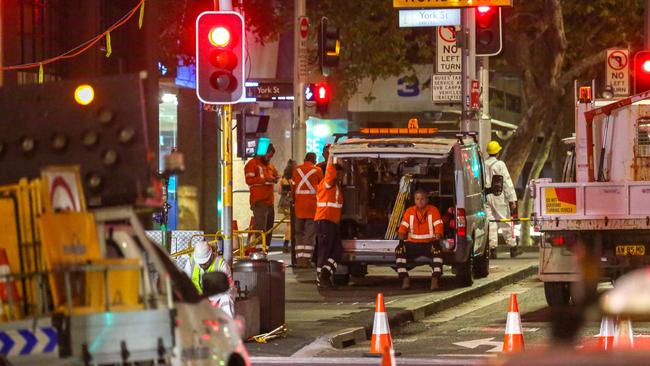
pixel 204 259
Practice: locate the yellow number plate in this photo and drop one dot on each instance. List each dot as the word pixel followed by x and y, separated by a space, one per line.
pixel 623 250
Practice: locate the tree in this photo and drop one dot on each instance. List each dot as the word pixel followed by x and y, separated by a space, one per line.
pixel 551 43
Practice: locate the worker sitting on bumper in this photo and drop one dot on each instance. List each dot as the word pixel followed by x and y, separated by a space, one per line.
pixel 419 235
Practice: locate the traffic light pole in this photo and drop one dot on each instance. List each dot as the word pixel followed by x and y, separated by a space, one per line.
pixel 469 120
pixel 299 128
pixel 485 123
pixel 226 153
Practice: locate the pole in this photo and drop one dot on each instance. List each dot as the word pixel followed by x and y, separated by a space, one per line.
pixel 226 149
pixel 468 31
pixel 647 24
pixel 299 127
pixel 485 124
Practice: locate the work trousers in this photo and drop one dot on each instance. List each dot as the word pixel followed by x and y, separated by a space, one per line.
pixel 329 248
pixel 305 230
pixel 263 219
pixel 408 251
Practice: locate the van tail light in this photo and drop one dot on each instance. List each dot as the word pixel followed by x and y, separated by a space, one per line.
pixel 461 222
pixel 557 241
pixel 561 240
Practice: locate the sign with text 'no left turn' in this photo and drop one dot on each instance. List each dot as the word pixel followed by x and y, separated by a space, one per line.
pixel 446 82
pixel 618 71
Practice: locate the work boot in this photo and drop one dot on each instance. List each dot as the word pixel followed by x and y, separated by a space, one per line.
pixel 434 283
pixel 406 283
pixel 493 253
pixel 515 252
pixel 324 280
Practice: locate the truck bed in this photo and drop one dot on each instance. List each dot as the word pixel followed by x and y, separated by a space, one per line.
pixel 592 206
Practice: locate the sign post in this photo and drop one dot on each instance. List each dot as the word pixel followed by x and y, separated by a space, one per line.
pixel 300 73
pixel 618 71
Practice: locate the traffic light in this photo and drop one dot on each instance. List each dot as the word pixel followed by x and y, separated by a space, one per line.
pixel 488 30
pixel 219 57
pixel 329 46
pixel 251 135
pixel 641 72
pixel 322 96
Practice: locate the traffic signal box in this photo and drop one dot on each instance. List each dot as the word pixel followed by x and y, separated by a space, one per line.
pixel 488 30
pixel 251 135
pixel 220 57
pixel 641 72
pixel 322 96
pixel 329 46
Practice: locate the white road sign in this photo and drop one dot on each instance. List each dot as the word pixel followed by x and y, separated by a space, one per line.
pixel 428 17
pixel 618 71
pixel 448 54
pixel 446 88
pixel 303 59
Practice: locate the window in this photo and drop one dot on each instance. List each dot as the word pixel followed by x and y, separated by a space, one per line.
pixel 472 174
pixel 643 137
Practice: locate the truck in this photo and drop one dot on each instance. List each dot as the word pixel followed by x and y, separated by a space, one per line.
pixel 384 166
pixel 595 223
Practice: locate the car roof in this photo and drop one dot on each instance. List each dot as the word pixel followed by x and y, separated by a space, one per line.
pixel 410 145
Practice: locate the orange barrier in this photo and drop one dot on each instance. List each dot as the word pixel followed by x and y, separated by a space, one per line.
pixel 606 335
pixel 513 341
pixel 624 337
pixel 388 358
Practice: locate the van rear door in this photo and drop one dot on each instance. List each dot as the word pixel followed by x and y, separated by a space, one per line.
pixel 469 194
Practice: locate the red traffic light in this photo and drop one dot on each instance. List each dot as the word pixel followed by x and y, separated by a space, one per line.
pixel 484 9
pixel 641 71
pixel 322 96
pixel 646 66
pixel 219 36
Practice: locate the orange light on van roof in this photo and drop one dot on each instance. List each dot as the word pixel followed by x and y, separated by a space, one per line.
pixel 399 131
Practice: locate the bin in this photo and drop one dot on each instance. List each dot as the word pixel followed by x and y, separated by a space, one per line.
pixel 264 279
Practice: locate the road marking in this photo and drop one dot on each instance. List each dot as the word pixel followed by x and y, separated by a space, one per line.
pixel 496 346
pixel 464 355
pixel 494 329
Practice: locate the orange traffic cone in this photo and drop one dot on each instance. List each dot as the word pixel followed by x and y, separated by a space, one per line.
pixel 380 332
pixel 606 335
pixel 7 286
pixel 388 358
pixel 513 341
pixel 624 336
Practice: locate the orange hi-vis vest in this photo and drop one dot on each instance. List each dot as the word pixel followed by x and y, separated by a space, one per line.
pixel 306 177
pixel 329 199
pixel 421 227
pixel 256 174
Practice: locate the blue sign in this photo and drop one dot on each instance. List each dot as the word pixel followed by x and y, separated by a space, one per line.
pixel 320 132
pixel 25 342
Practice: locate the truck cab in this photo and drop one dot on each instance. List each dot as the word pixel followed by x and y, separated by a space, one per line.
pixel 382 171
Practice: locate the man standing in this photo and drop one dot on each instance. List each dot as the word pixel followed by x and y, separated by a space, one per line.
pixel 204 260
pixel 502 205
pixel 306 177
pixel 261 177
pixel 326 155
pixel 329 202
pixel 419 235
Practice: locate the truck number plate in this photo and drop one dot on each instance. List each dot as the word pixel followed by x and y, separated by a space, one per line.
pixel 623 250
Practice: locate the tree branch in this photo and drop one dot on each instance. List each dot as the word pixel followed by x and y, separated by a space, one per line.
pixel 582 66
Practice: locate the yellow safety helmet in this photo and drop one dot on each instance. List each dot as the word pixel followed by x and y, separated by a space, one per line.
pixel 493 148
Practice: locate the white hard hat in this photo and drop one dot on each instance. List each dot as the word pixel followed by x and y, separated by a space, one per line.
pixel 202 252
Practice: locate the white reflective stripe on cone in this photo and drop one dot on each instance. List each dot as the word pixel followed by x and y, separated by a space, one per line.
pixel 513 324
pixel 380 324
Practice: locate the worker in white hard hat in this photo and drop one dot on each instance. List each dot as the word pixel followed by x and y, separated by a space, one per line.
pixel 502 202
pixel 205 259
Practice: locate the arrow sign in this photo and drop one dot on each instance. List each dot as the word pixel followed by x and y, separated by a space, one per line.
pixel 53 338
pixel 496 346
pixel 30 341
pixel 7 343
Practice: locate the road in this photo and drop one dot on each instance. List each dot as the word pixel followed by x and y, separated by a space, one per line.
pixel 470 333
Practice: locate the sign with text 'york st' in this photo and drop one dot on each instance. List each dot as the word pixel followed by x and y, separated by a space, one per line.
pixel 428 17
pixel 449 3
pixel 618 71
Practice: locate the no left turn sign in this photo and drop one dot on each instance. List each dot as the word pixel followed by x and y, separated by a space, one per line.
pixel 447 34
pixel 617 60
pixel 618 71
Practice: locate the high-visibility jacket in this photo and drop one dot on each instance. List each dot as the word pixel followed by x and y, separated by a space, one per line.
pixel 329 199
pixel 306 178
pixel 422 227
pixel 226 300
pixel 256 174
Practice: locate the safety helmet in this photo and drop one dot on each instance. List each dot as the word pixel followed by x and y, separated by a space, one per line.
pixel 202 252
pixel 493 148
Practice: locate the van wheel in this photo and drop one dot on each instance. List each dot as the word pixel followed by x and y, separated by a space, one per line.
pixel 464 274
pixel 557 293
pixel 342 279
pixel 481 265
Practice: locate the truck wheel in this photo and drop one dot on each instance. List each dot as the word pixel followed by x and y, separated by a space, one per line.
pixel 464 274
pixel 482 264
pixel 342 279
pixel 557 293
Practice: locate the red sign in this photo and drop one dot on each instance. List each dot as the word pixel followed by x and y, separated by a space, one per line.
pixel 304 27
pixel 617 60
pixel 475 93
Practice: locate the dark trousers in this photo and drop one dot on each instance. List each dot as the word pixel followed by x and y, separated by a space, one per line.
pixel 407 251
pixel 263 219
pixel 329 248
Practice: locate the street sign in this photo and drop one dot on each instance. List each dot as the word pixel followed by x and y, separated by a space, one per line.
pixel 428 17
pixel 446 88
pixel 618 71
pixel 449 3
pixel 270 91
pixel 448 55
